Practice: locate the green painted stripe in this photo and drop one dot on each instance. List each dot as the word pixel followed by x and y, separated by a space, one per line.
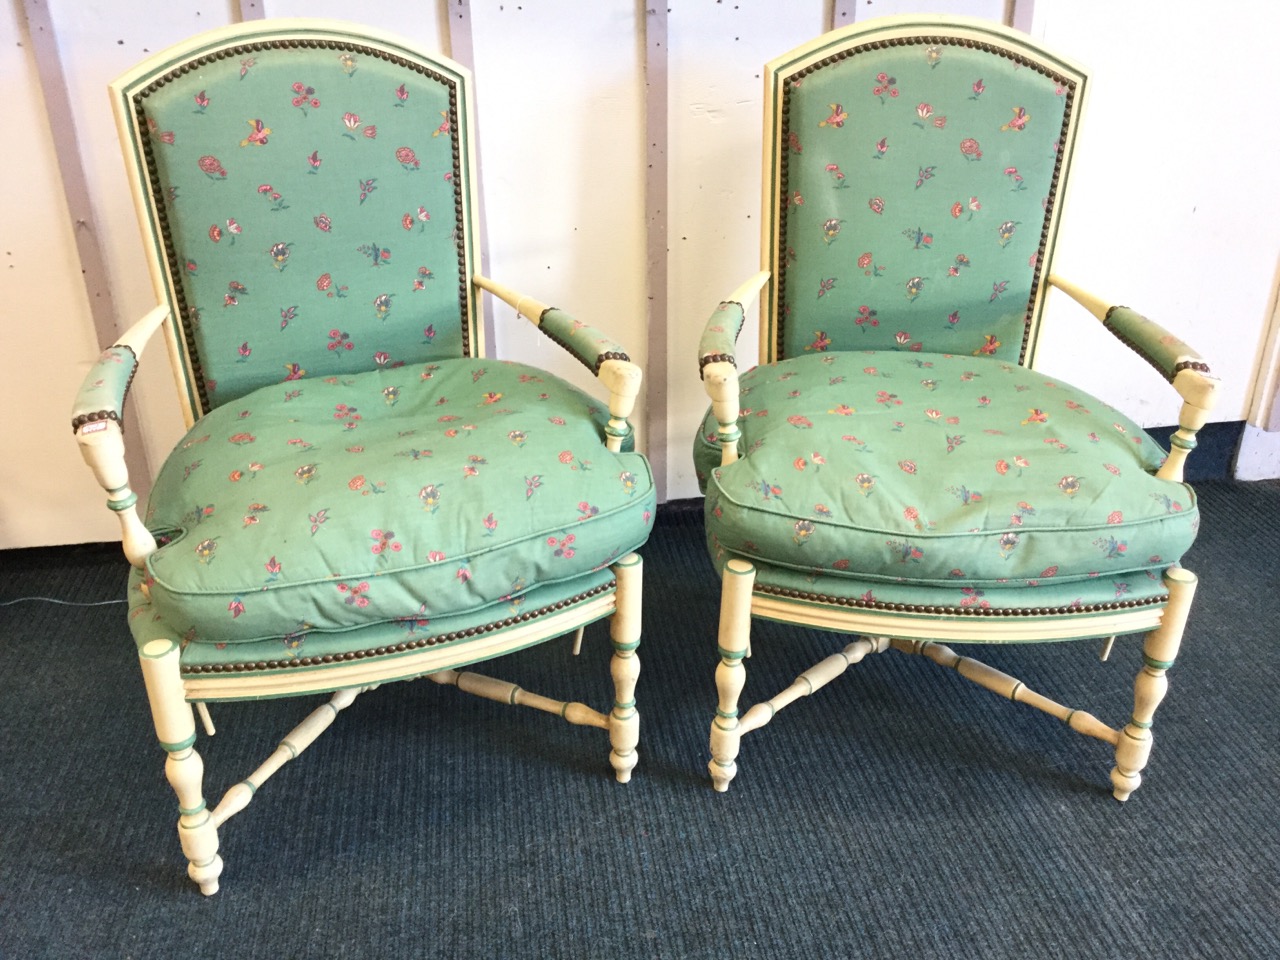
pixel 125 504
pixel 1157 664
pixel 731 654
pixel 194 810
pixel 721 715
pixel 180 745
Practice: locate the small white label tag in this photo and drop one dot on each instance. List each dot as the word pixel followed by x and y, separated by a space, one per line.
pixel 96 427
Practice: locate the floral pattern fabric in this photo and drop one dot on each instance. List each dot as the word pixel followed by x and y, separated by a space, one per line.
pixel 312 208
pixel 106 386
pixel 917 182
pixel 939 471
pixel 392 495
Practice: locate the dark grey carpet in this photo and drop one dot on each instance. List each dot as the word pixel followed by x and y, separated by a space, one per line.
pixel 901 812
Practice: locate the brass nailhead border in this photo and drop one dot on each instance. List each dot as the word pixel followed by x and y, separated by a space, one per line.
pixel 403 647
pixel 187 313
pixel 715 358
pixel 724 357
pixel 784 192
pixel 118 416
pixel 594 368
pixel 790 594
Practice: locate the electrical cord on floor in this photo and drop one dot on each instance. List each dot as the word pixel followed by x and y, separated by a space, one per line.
pixel 65 603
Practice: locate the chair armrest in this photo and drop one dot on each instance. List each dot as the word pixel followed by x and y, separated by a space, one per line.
pixel 1175 360
pixel 604 357
pixel 96 418
pixel 719 367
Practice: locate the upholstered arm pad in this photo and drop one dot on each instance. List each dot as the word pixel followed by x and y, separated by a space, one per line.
pixel 102 394
pixel 602 356
pixel 1176 361
pixel 589 345
pixel 720 335
pixel 1160 348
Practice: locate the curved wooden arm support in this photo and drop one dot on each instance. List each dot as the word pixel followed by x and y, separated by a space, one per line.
pixel 101 443
pixel 719 366
pixel 1178 363
pixel 612 367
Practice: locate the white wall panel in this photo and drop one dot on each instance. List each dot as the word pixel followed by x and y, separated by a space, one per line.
pixel 421 22
pixel 49 495
pixel 717 53
pixel 1172 209
pixel 561 116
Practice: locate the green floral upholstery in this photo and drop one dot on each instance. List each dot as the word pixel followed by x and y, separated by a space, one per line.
pixel 102 394
pixel 311 201
pixel 384 496
pixel 939 471
pixel 916 194
pixel 1160 348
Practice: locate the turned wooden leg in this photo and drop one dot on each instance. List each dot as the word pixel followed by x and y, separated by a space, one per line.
pixel 176 729
pixel 731 674
pixel 1158 653
pixel 624 631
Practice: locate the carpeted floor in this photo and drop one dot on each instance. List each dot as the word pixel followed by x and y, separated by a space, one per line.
pixel 901 812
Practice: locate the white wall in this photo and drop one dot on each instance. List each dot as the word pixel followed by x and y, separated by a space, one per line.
pixel 1172 206
pixel 1172 209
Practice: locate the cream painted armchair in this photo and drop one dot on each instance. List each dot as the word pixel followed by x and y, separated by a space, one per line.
pixel 362 495
pixel 897 469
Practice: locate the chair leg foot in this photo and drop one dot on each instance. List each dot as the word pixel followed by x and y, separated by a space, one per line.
pixel 184 769
pixel 731 674
pixel 1159 651
pixel 624 632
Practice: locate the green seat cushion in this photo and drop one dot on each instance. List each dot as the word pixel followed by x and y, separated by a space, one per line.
pixel 935 470
pixel 406 493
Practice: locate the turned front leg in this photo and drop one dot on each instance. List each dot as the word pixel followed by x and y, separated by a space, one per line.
pixel 176 728
pixel 624 632
pixel 1159 651
pixel 731 674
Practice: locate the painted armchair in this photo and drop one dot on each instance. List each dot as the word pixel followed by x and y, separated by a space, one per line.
pixel 897 469
pixel 362 495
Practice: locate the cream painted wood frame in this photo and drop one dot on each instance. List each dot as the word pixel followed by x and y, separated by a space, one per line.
pixel 172 693
pixel 924 632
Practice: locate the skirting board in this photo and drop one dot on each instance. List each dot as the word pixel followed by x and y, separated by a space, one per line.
pixel 1259 456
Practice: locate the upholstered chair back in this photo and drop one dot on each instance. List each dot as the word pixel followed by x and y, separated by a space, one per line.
pixel 914 193
pixel 311 202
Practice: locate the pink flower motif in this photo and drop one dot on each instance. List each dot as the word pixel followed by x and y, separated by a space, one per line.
pixel 211 166
pixel 876 204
